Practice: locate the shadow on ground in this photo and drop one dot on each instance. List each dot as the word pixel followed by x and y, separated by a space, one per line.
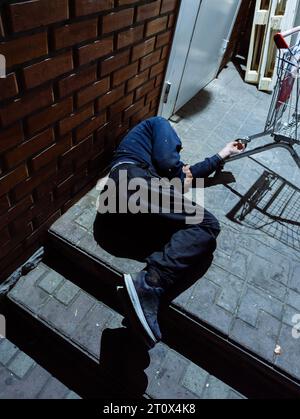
pixel 125 358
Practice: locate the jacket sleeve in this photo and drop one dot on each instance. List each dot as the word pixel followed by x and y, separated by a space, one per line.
pixel 166 153
pixel 207 167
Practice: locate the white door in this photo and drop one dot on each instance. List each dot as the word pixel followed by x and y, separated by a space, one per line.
pixel 202 34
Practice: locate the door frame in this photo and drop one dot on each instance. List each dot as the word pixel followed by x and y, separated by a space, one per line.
pixel 184 32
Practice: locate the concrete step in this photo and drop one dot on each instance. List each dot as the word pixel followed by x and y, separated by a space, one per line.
pixel 22 378
pixel 203 321
pixel 85 344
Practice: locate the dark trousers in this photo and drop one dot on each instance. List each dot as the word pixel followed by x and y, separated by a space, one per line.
pixel 164 241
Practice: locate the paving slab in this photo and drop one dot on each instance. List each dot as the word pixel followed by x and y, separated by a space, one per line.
pixel 97 330
pixel 22 378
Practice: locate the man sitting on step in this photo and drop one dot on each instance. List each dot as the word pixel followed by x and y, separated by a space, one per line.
pixel 151 152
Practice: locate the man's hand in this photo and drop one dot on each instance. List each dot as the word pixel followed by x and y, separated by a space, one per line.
pixel 188 178
pixel 232 149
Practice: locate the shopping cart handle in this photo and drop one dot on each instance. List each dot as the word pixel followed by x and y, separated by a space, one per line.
pixel 279 38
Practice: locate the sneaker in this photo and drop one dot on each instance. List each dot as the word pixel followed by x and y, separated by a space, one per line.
pixel 142 312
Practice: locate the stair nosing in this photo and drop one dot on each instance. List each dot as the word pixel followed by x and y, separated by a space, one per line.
pixel 247 354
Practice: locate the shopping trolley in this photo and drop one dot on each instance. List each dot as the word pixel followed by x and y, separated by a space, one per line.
pixel 272 205
pixel 283 121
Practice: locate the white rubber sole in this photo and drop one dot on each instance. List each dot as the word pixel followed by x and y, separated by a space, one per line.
pixel 131 290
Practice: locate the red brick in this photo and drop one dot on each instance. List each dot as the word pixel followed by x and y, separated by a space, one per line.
pixel 93 51
pixel 26 105
pixel 75 33
pixel 79 150
pixel 75 119
pixel 18 209
pixel 48 69
pixel 134 108
pixel 143 49
pixel 39 236
pixel 29 148
pixel 139 116
pixel 5 241
pixel 130 36
pixel 4 204
pixel 110 98
pixel 24 49
pixel 65 169
pixel 163 39
pixel 13 257
pixel 148 11
pixel 50 115
pixel 11 137
pixel 33 181
pixel 154 105
pixel 125 2
pixel 4 236
pixel 165 52
pixel 43 193
pixel 81 166
pixel 137 80
pixel 158 69
pixel 92 92
pixel 125 74
pixel 159 79
pixel 114 63
pixel 171 21
pixel 155 94
pixel 168 6
pixel 76 81
pixel 99 146
pixel 52 153
pixel 32 14
pixel 156 26
pixel 120 130
pixel 1 27
pixel 143 90
pixel 150 60
pixel 113 131
pixel 90 127
pixel 65 186
pixel 8 86
pixel 115 21
pixel 86 7
pixel 42 217
pixel 11 179
pixel 22 225
pixel 121 105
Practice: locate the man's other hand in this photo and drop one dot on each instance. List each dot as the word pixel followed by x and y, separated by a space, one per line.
pixel 188 182
pixel 232 149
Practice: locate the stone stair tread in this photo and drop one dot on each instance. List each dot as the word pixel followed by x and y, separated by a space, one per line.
pixel 76 227
pixel 92 327
pixel 22 378
pixel 222 300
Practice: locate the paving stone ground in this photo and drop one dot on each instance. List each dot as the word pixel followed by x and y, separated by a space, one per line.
pixel 251 293
pixel 22 378
pixel 160 374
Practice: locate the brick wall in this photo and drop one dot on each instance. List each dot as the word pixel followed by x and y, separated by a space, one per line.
pixel 80 73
